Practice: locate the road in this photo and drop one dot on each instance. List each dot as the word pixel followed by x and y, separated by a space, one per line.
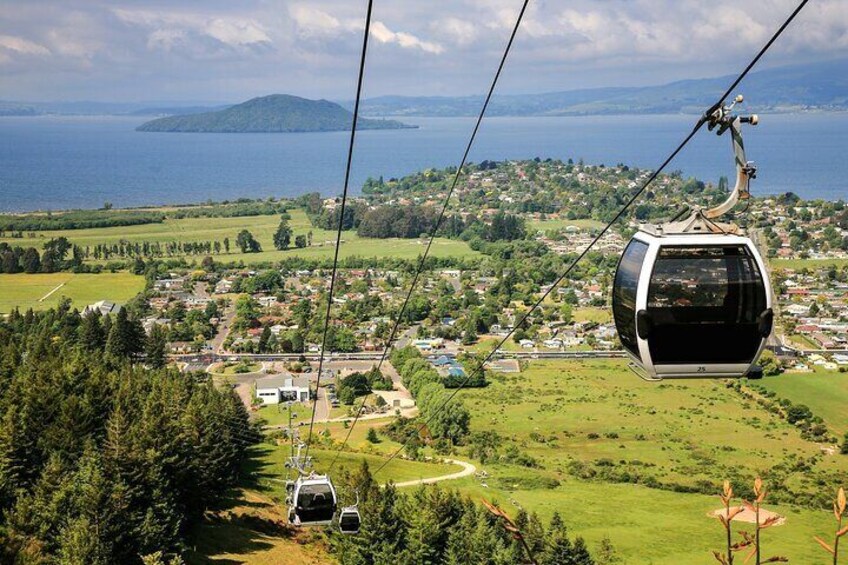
pixel 467 470
pixel 375 356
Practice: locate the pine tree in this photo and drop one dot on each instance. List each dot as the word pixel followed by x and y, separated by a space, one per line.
pixel 156 347
pixel 126 337
pixel 118 341
pixel 31 261
pixel 92 336
pixel 264 338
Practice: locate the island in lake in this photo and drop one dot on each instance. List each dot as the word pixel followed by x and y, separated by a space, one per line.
pixel 277 113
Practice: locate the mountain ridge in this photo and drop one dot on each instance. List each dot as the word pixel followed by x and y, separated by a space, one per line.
pixel 819 86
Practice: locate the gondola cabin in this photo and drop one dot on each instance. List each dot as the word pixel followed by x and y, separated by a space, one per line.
pixel 349 520
pixel 314 501
pixel 692 304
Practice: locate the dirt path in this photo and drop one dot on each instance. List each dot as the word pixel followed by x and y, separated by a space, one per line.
pixel 467 470
pixel 748 516
pixel 46 296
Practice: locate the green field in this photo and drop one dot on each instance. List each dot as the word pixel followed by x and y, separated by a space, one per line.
pixel 29 291
pixel 825 392
pixel 271 471
pixel 263 228
pixel 590 314
pixel 798 264
pixel 676 434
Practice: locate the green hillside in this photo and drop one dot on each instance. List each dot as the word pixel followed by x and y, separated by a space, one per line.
pixel 278 113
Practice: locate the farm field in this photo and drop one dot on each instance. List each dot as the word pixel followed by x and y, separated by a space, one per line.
pixel 653 527
pixel 595 430
pixel 28 291
pixel 806 263
pixel 263 228
pixel 825 392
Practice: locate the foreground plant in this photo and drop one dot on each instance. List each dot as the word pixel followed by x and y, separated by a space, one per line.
pixel 759 526
pixel 726 518
pixel 839 511
pixel 511 527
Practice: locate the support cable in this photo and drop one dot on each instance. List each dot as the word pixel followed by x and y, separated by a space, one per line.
pixel 341 222
pixel 701 121
pixel 440 219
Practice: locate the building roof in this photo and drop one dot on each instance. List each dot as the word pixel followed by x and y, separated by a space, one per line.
pixel 283 380
pixel 272 381
pixel 104 307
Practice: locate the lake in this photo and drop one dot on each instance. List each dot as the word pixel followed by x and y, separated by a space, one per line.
pixel 60 162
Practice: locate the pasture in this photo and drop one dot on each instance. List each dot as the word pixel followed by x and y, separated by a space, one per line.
pixel 270 472
pixel 615 456
pixel 811 264
pixel 43 291
pixel 825 392
pixel 262 228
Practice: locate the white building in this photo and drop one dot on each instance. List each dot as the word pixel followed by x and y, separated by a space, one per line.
pixel 281 388
pixel 103 306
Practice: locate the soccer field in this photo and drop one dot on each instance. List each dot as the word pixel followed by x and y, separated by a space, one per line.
pixel 42 291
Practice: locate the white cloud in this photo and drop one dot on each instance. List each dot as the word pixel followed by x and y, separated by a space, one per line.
pixel 170 29
pixel 459 31
pixel 236 32
pixel 314 22
pixel 189 48
pixel 22 46
pixel 383 34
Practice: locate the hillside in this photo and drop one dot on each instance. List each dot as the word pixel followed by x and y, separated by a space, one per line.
pixel 278 113
pixel 820 86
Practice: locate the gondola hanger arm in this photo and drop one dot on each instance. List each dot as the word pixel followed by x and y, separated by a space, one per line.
pixel 723 119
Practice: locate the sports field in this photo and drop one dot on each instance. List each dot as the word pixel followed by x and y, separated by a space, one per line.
pixel 262 228
pixel 42 291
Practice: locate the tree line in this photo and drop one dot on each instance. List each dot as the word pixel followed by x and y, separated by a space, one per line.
pixel 53 257
pixel 107 217
pixel 103 460
pixel 446 419
pixel 438 526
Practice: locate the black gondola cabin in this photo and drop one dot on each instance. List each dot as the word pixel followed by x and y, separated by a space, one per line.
pixel 692 304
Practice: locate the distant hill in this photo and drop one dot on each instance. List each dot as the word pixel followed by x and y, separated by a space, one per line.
pixel 819 86
pixel 278 113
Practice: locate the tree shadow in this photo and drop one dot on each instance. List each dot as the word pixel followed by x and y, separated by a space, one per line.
pixel 241 522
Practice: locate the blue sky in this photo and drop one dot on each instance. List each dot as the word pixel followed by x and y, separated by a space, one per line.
pixel 216 50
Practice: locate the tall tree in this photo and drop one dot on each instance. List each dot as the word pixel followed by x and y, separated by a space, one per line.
pixel 31 260
pixel 247 243
pixel 282 237
pixel 156 347
pixel 92 336
pixel 126 338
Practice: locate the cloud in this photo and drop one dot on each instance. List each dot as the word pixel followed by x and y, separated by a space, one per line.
pixel 456 30
pixel 169 30
pixel 381 33
pixel 312 21
pixel 22 46
pixel 225 50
